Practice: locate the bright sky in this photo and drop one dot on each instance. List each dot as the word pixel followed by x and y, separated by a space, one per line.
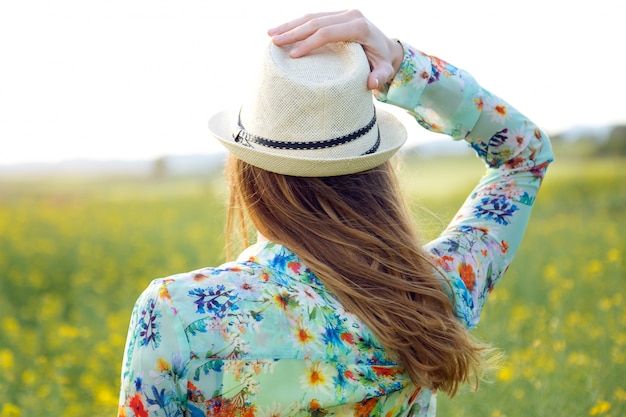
pixel 137 79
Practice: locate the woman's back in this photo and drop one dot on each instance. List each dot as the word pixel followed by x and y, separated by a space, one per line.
pixel 263 336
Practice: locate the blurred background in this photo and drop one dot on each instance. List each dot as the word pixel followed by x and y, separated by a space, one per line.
pixel 109 179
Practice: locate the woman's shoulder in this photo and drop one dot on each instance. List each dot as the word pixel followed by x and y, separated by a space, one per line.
pixel 225 275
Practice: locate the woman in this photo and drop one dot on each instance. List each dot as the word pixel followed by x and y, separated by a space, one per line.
pixel 337 309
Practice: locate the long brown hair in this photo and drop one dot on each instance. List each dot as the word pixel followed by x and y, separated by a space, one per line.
pixel 356 234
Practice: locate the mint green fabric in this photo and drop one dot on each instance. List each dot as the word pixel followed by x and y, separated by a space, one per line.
pixel 262 336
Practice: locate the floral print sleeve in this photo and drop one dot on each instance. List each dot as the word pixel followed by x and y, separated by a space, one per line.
pixel 479 244
pixel 154 363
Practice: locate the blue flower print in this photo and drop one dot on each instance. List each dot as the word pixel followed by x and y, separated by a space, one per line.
pixel 149 326
pixel 496 208
pixel 214 300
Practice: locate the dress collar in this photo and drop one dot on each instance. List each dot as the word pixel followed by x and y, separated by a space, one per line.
pixel 281 259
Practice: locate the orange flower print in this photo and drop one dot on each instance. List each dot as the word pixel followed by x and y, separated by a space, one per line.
pixel 414 395
pixel 444 262
pixel 442 66
pixel 467 275
pixel 304 335
pixel 479 103
pixel 315 378
pixel 364 408
pixel 282 300
pixel 163 292
pixel 515 162
pixel 199 277
pixel 347 337
pixel 505 246
pixel 348 374
pixel 249 411
pixel 194 394
pixel 500 109
pixel 385 370
pixel 294 266
pixel 314 405
pixel 137 406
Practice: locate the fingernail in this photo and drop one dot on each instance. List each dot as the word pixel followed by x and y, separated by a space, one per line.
pixel 278 38
pixel 294 52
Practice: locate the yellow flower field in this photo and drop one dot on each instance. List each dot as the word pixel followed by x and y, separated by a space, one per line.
pixel 75 254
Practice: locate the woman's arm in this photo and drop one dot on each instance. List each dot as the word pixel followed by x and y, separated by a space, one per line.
pixel 480 242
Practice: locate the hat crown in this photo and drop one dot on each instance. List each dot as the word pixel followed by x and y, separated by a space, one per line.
pixel 311 116
pixel 318 97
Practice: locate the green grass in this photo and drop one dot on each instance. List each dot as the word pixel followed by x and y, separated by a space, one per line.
pixel 74 255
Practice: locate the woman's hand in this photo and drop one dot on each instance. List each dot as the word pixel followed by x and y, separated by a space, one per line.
pixel 314 30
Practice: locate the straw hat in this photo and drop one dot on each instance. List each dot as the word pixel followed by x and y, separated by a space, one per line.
pixel 312 116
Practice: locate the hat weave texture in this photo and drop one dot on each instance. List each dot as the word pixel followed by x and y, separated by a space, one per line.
pixel 311 116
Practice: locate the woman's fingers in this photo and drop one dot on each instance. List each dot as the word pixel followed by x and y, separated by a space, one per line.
pixel 340 32
pixel 312 31
pixel 315 30
pixel 285 27
pixel 384 65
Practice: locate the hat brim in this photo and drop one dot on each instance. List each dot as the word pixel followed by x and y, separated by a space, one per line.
pixel 392 136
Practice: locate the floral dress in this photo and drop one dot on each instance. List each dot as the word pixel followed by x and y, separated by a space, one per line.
pixel 262 336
